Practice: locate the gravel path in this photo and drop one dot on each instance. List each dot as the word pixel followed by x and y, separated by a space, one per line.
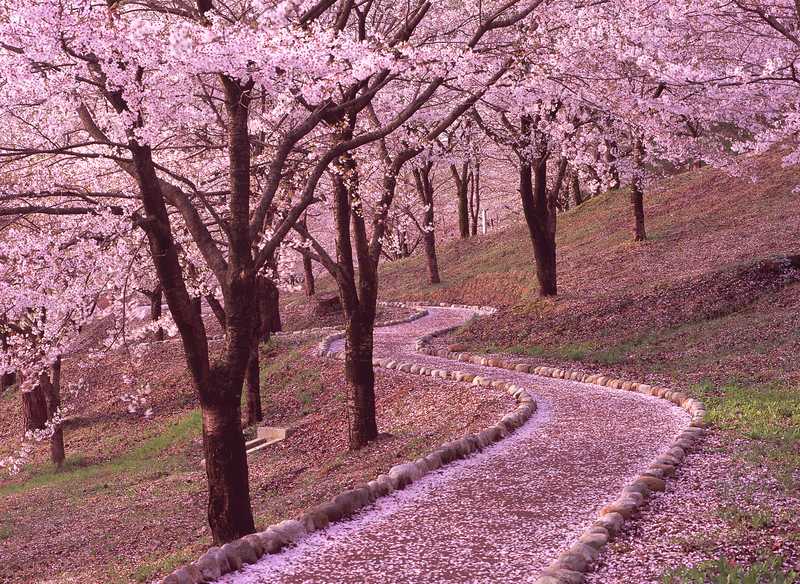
pixel 502 515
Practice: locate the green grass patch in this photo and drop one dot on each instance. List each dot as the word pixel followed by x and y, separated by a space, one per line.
pixel 288 369
pixel 769 415
pixel 161 565
pixel 723 571
pixel 746 519
pixel 145 458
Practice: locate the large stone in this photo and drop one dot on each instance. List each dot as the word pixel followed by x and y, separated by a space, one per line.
pixel 212 564
pixel 235 560
pixel 589 553
pixel 489 436
pixel 186 575
pixel 624 506
pixel 434 460
pixel 380 487
pixel 571 561
pixel 653 483
pixel 351 501
pixel 611 521
pixel 404 474
pixel 255 543
pixel 667 470
pixel 274 542
pixel 637 488
pixel 595 540
pixel 291 530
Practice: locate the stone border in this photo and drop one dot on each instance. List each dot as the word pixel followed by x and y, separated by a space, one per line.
pixel 580 557
pixel 218 561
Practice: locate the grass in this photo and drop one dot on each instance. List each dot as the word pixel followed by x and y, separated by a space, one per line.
pixel 768 415
pixel 723 571
pixel 145 458
pixel 746 519
pixel 154 566
pixel 285 368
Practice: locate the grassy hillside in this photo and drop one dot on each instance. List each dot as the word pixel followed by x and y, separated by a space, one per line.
pixel 702 305
pixel 697 301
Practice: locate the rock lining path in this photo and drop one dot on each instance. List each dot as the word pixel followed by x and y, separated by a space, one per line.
pixel 502 515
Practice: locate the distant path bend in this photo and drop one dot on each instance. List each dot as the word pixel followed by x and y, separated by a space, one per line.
pixel 500 516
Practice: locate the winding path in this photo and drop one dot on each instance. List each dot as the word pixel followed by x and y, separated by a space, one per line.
pixel 501 515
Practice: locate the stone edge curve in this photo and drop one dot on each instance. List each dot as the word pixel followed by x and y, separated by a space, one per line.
pixel 218 561
pixel 579 559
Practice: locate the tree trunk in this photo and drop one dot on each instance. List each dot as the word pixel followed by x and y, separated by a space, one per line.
pixel 254 411
pixel 363 427
pixel 52 386
pixel 611 162
pixel 34 408
pixel 218 388
pixel 229 512
pixel 637 194
pixel 217 309
pixel 637 201
pixel 462 180
pixel 359 304
pixel 39 407
pixel 475 198
pixel 6 381
pixel 155 310
pixel 541 220
pixel 269 307
pixel 308 275
pixel 576 189
pixel 431 259
pixel 425 190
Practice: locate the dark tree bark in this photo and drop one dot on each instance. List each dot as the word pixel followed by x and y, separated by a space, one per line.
pixel 475 199
pixel 611 161
pixel 637 202
pixel 267 321
pixel 52 391
pixel 540 215
pixel 637 194
pixel 422 178
pixel 359 300
pixel 253 376
pixel 308 275
pixel 269 308
pixel 462 180
pixel 7 380
pixel 34 408
pixel 155 298
pixel 360 378
pixel 218 387
pixel 217 309
pixel 39 406
pixel 576 189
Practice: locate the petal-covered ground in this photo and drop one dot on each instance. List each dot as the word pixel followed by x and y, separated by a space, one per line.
pixel 502 515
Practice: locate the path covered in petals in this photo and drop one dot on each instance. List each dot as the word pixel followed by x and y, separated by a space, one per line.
pixel 500 516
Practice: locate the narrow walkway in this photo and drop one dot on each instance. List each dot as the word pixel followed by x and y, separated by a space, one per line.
pixel 500 516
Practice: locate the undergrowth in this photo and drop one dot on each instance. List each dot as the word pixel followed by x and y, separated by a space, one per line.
pixel 767 415
pixel 725 571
